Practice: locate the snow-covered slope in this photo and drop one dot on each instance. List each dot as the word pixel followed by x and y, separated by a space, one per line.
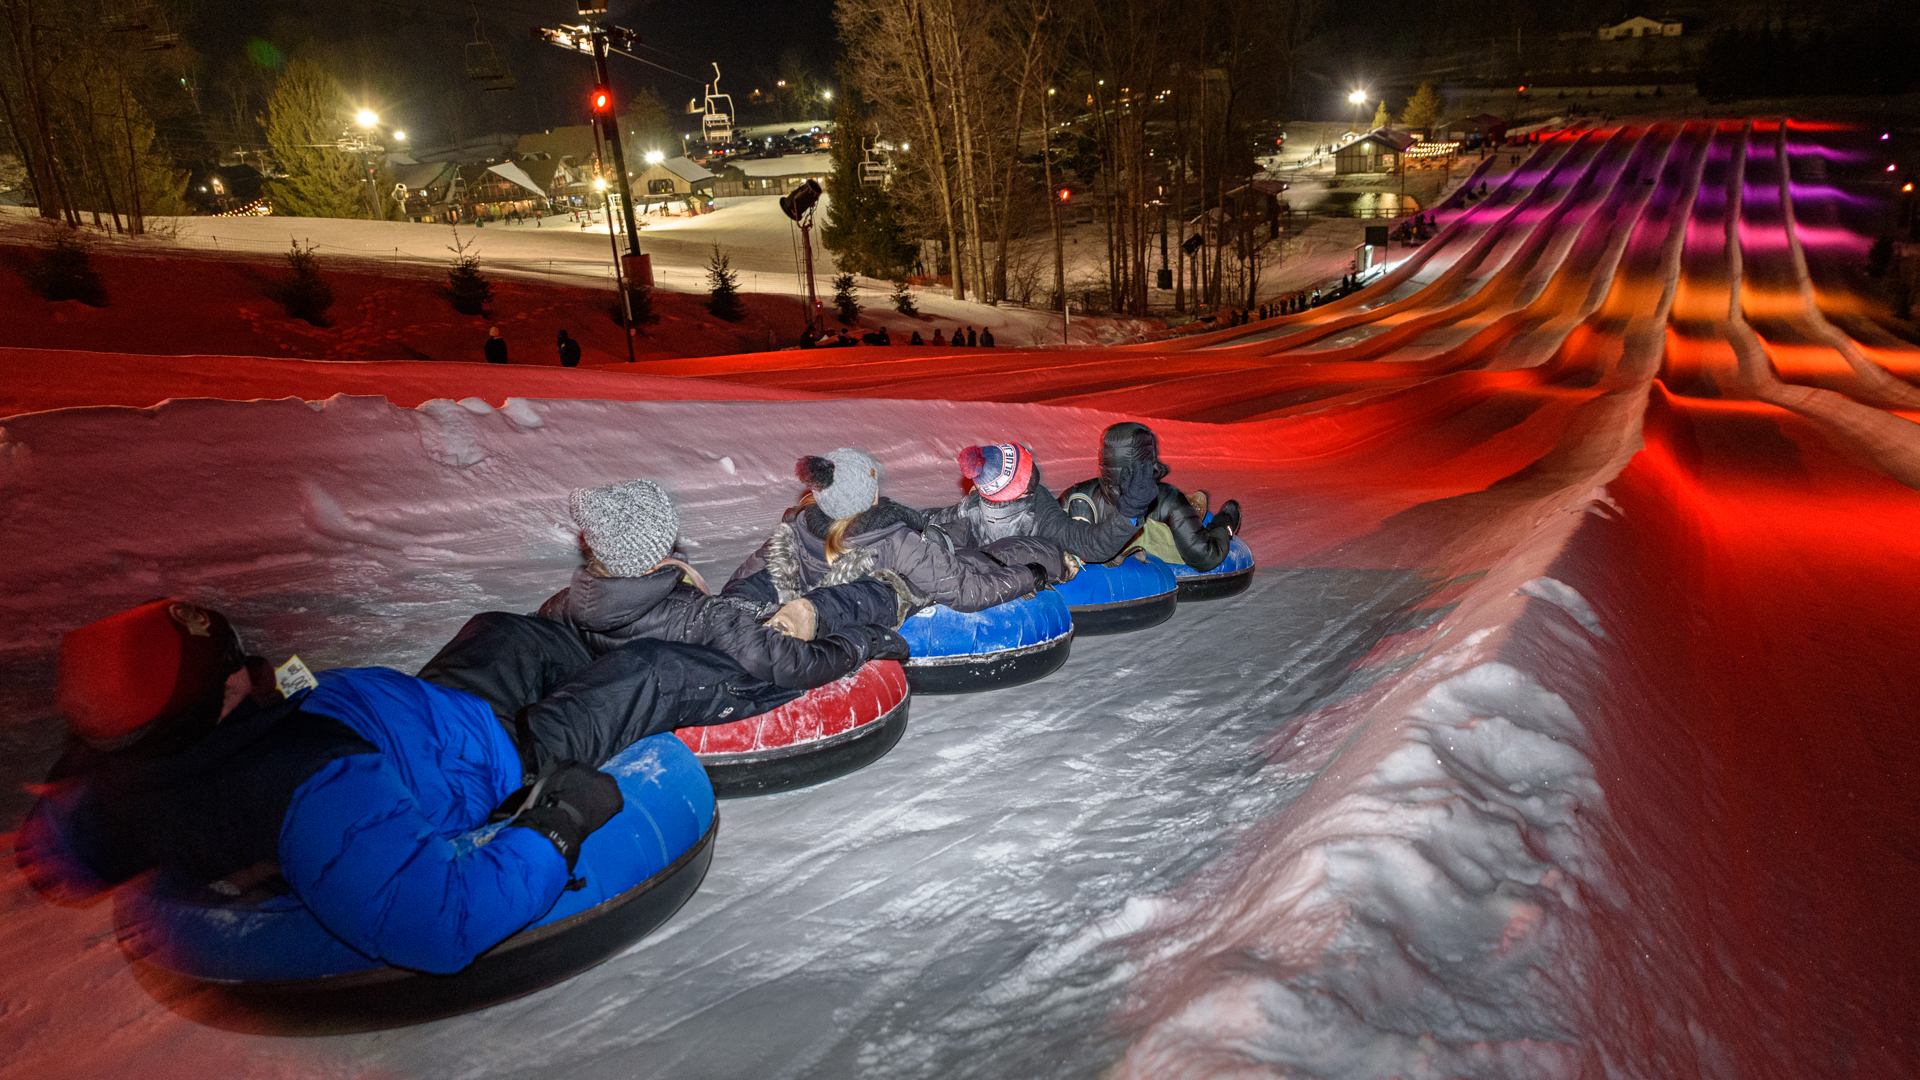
pixel 1566 730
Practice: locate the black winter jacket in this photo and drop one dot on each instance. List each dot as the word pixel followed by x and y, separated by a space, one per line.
pixel 975 522
pixel 887 539
pixel 608 612
pixel 1122 446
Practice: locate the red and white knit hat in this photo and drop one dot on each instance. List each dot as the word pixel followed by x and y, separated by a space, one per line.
pixel 1000 472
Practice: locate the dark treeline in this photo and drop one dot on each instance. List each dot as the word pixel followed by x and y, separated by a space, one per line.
pixel 1866 57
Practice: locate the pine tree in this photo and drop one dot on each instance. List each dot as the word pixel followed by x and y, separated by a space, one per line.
pixel 863 227
pixel 467 287
pixel 304 293
pixel 1381 117
pixel 903 298
pixel 724 302
pixel 1422 111
pixel 304 118
pixel 64 268
pixel 845 300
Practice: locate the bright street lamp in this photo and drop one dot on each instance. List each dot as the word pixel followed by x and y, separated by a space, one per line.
pixel 367 118
pixel 599 183
pixel 1358 97
pixel 655 157
pixel 399 136
pixel 828 94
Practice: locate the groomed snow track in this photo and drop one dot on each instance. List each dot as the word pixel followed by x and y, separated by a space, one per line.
pixel 1566 730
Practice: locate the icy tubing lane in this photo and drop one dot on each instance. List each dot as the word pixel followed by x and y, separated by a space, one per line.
pixel 262 963
pixel 829 731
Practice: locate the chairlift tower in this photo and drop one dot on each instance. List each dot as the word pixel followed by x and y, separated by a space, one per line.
pixel 595 38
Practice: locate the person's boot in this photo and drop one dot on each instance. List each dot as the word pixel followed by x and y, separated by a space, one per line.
pixel 1199 498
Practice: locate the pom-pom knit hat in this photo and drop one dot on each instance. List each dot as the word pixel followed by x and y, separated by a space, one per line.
pixel 125 672
pixel 844 482
pixel 629 527
pixel 1000 472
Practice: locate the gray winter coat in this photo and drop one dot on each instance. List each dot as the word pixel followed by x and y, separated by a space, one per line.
pixel 887 538
pixel 974 522
pixel 610 611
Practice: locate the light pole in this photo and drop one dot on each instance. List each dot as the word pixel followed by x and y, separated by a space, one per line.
pixel 363 144
pixel 597 38
pixel 619 280
pixel 1359 100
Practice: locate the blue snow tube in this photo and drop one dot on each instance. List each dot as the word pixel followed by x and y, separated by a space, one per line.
pixel 1232 576
pixel 1137 592
pixel 954 652
pixel 272 966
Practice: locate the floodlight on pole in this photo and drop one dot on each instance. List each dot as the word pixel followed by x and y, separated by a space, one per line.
pixel 367 118
pixel 399 136
pixel 1358 97
pixel 655 157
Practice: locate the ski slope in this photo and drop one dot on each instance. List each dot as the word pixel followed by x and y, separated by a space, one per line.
pixel 1566 730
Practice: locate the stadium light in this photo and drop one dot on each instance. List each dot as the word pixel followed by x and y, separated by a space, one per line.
pixel 655 157
pixel 367 118
pixel 1358 97
pixel 399 136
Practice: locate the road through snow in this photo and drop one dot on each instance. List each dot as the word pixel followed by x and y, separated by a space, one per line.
pixel 1565 732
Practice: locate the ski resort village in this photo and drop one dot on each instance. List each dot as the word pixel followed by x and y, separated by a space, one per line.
pixel 938 539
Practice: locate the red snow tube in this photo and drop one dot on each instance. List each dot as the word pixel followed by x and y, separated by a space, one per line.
pixel 826 732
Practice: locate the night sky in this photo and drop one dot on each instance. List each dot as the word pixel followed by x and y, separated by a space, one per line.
pixel 406 58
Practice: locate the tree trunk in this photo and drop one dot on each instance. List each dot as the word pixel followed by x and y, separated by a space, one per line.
pixel 926 96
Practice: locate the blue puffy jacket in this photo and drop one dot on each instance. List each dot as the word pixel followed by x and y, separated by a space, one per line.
pixel 368 841
pixel 373 841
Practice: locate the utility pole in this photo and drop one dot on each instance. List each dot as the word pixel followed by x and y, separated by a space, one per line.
pixel 597 38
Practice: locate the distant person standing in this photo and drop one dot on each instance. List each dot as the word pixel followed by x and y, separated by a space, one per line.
pixel 569 351
pixel 938 337
pixel 496 346
pixel 973 339
pixel 986 338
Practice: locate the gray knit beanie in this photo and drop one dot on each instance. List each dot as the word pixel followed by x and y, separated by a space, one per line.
pixel 629 527
pixel 844 482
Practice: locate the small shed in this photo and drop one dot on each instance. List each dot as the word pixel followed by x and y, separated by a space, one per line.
pixel 1378 151
pixel 678 179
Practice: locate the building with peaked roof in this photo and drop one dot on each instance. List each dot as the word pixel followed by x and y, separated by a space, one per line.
pixel 674 180
pixel 1641 26
pixel 1378 151
pixel 771 176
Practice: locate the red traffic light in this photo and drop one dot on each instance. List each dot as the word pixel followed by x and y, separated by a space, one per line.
pixel 601 99
pixel 1065 194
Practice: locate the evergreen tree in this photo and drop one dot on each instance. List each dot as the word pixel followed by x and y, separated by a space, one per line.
pixel 724 301
pixel 1381 117
pixel 304 293
pixel 304 118
pixel 844 299
pixel 863 227
pixel 467 287
pixel 64 268
pixel 903 298
pixel 1422 111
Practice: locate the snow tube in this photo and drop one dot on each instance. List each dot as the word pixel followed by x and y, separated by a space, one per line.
pixel 1133 594
pixel 271 966
pixel 1231 577
pixel 1017 642
pixel 829 731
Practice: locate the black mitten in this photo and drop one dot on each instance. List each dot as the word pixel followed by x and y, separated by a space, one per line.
pixel 565 806
pixel 1040 579
pixel 1138 490
pixel 877 642
pixel 1229 513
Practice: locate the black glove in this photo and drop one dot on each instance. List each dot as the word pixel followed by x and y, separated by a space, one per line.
pixel 1229 513
pixel 1138 490
pixel 565 806
pixel 1040 580
pixel 875 642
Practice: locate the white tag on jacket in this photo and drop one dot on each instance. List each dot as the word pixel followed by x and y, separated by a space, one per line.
pixel 293 677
